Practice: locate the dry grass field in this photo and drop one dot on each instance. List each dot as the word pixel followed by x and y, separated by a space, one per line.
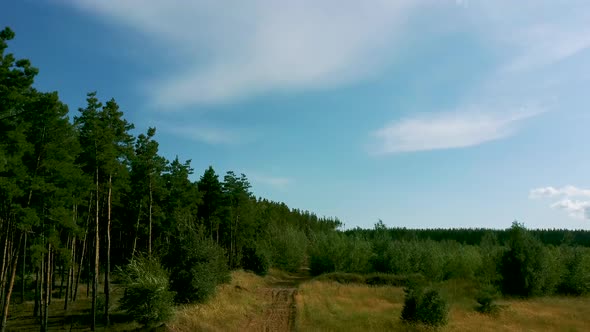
pixel 330 306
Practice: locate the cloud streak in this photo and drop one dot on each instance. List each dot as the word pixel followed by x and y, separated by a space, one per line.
pixel 211 135
pixel 233 50
pixel 280 183
pixel 575 208
pixel 445 131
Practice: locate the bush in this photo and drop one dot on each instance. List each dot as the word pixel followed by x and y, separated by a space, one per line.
pixel 425 306
pixel 486 298
pixel 147 298
pixel 383 279
pixel 343 278
pixel 197 265
pixel 256 260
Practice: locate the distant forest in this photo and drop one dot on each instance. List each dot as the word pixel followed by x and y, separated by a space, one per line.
pixel 81 198
pixel 473 236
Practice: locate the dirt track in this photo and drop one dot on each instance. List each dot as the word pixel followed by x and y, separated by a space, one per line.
pixel 280 313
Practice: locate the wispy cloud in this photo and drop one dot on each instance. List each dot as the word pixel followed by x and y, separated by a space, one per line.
pixel 231 50
pixel 534 34
pixel 575 208
pixel 567 191
pixel 208 134
pixel 280 183
pixel 446 131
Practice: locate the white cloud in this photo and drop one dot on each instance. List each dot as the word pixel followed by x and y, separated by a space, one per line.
pixel 280 183
pixel 230 50
pixel 567 191
pixel 446 131
pixel 575 208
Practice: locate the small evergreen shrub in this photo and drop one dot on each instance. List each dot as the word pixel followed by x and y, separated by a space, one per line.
pixel 147 298
pixel 425 306
pixel 197 265
pixel 486 298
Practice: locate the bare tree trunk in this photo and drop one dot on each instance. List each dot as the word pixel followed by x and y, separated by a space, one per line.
pixel 83 251
pixel 107 282
pixel 5 258
pixel 10 285
pixel 63 272
pixel 23 279
pixel 136 230
pixel 80 268
pixel 42 293
pixel 70 274
pixel 150 219
pixel 37 293
pixel 96 259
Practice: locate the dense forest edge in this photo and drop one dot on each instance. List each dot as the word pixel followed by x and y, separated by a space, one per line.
pixel 85 202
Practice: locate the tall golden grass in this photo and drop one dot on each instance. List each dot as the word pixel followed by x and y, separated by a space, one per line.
pixel 232 307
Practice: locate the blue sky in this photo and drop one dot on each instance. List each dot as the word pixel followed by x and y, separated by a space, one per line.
pixel 421 113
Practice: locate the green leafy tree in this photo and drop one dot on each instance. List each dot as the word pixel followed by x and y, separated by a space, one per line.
pixel 523 264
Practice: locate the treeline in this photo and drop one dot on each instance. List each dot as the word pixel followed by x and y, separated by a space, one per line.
pixel 519 265
pixel 82 197
pixel 474 236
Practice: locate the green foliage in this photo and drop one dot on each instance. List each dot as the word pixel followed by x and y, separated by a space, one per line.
pixel 385 279
pixel 333 251
pixel 256 259
pixel 197 265
pixel 288 246
pixel 524 265
pixel 486 298
pixel 425 306
pixel 147 298
pixel 576 271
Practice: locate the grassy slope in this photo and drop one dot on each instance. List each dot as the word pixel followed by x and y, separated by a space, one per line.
pixel 329 306
pixel 232 308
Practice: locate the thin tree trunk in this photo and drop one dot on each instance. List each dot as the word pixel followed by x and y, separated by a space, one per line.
pixel 107 282
pixel 62 273
pixel 23 279
pixel 96 259
pixel 83 251
pixel 80 268
pixel 150 219
pixel 51 268
pixel 42 293
pixel 70 274
pixel 37 293
pixel 47 289
pixel 10 285
pixel 136 230
pixel 5 253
